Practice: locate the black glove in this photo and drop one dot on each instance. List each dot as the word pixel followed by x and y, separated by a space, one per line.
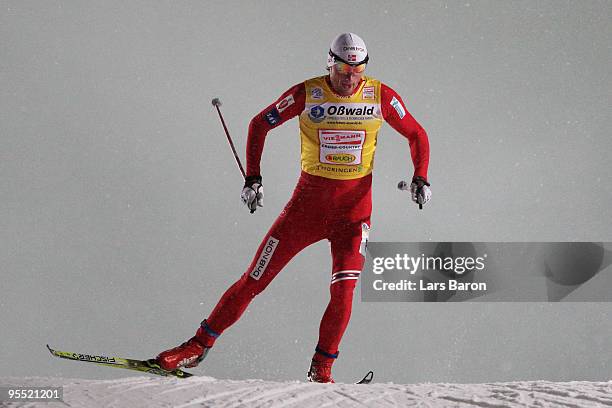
pixel 420 190
pixel 252 193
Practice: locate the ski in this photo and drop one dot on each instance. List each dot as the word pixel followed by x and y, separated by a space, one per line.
pixel 147 366
pixel 367 379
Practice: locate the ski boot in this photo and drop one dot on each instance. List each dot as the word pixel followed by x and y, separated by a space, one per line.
pixel 320 372
pixel 190 353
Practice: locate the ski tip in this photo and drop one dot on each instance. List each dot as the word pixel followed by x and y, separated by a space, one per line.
pixel 53 352
pixel 368 378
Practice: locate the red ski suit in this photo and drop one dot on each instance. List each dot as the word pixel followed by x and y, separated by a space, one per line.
pixel 320 208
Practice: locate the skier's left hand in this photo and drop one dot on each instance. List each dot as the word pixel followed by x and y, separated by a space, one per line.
pixel 419 188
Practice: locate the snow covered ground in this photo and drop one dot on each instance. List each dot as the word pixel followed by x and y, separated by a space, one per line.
pixel 199 391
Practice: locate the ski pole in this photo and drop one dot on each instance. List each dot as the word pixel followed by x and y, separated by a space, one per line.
pixel 402 185
pixel 216 103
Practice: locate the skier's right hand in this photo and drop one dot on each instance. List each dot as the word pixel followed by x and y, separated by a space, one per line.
pixel 419 188
pixel 252 193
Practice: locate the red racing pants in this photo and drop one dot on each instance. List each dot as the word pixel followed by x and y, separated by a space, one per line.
pixel 320 208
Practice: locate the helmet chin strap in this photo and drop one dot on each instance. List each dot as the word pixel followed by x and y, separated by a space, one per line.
pixel 330 60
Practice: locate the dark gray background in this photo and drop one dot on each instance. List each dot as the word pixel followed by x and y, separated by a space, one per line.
pixel 121 219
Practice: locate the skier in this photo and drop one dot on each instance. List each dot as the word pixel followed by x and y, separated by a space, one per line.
pixel 339 117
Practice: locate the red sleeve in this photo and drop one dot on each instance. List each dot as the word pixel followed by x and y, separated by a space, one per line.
pixel 290 104
pixel 395 113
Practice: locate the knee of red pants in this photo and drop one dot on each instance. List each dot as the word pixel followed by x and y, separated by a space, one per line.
pixel 254 280
pixel 342 291
pixel 347 261
pixel 347 265
pixel 250 287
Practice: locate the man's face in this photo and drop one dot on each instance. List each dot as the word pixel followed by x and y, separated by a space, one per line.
pixel 345 78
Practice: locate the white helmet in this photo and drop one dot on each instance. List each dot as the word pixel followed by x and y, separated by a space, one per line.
pixel 348 48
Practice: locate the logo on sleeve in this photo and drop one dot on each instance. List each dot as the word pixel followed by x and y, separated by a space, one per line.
pixel 398 107
pixel 368 93
pixel 272 116
pixel 285 103
pixel 316 93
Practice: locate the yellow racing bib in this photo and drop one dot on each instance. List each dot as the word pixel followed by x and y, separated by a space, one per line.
pixel 338 134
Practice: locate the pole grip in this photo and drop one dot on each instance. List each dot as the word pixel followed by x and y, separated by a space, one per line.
pixel 402 185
